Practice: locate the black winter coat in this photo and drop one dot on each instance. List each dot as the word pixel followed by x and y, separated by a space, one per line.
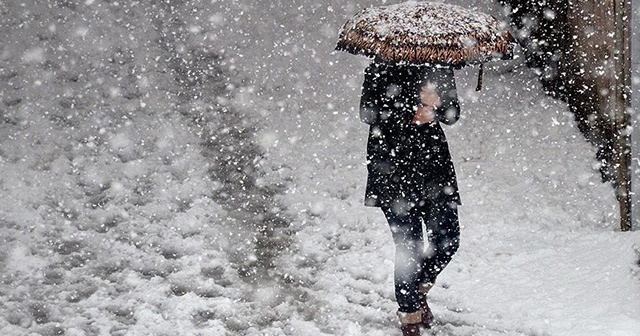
pixel 407 164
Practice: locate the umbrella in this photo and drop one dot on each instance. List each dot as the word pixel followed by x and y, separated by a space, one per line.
pixel 426 33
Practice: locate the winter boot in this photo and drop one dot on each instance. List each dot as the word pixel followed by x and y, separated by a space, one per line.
pixel 410 329
pixel 427 315
pixel 410 323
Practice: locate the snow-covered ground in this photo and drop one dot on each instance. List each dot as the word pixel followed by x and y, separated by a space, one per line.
pixel 132 190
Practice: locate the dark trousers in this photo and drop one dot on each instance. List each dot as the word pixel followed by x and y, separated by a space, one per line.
pixel 415 262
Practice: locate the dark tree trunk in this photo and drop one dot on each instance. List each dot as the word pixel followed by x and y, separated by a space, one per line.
pixel 582 54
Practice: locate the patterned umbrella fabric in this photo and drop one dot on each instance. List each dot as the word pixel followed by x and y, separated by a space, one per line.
pixel 426 33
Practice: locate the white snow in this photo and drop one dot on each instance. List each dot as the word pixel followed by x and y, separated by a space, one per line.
pixel 115 220
pixel 422 20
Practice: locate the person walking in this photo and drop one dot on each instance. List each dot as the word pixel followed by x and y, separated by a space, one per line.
pixel 411 176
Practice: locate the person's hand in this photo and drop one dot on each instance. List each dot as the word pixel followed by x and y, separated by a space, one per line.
pixel 424 115
pixel 429 97
pixel 426 110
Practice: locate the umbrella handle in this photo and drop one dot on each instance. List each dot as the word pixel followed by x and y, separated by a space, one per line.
pixel 480 74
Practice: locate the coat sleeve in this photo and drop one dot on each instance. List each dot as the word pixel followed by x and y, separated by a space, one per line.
pixel 449 110
pixel 370 99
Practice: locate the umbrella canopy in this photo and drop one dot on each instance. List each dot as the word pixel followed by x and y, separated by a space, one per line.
pixel 426 33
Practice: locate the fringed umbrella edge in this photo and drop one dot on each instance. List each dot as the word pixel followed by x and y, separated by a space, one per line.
pixel 450 54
